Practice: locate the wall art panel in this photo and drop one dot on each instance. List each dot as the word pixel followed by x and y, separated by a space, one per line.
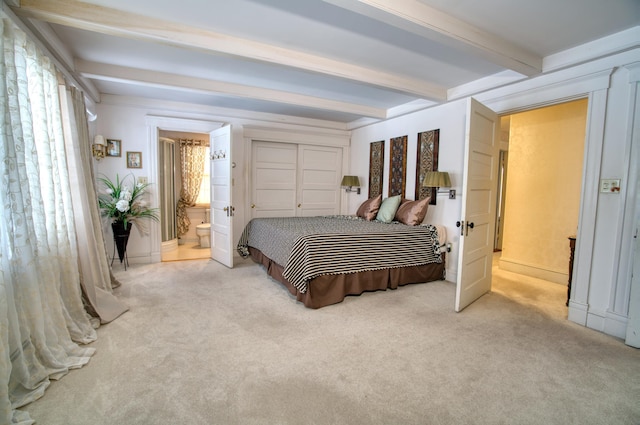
pixel 398 166
pixel 376 168
pixel 427 161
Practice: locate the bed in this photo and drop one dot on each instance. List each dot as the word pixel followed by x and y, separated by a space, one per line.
pixel 321 260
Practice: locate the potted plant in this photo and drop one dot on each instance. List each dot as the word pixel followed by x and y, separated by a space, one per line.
pixel 123 204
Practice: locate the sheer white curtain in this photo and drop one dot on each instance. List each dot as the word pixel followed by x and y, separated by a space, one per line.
pixel 41 310
pixel 96 278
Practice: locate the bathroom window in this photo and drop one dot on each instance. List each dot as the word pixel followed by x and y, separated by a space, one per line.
pixel 204 197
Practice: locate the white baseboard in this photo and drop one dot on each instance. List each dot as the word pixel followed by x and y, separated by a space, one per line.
pixel 603 321
pixel 533 271
pixel 578 312
pixel 616 325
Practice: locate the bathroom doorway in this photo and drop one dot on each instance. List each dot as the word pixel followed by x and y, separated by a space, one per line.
pixel 184 204
pixel 541 172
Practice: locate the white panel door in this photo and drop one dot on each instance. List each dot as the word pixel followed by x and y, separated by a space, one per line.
pixel 633 324
pixel 274 179
pixel 221 196
pixel 319 173
pixel 479 189
pixel 291 180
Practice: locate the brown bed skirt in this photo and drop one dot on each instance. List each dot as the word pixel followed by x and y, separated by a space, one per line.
pixel 331 289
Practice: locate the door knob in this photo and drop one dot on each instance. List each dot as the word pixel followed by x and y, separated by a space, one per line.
pixel 460 224
pixel 299 205
pixel 253 205
pixel 225 209
pixel 469 226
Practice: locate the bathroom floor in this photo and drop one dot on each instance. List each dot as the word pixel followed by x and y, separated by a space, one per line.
pixel 188 251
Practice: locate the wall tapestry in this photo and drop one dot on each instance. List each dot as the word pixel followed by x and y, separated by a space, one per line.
pixel 427 161
pixel 398 166
pixel 376 168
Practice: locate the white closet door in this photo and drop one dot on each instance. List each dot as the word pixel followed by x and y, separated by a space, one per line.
pixel 319 176
pixel 291 180
pixel 274 179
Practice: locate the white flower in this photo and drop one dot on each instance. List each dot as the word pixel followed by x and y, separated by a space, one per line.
pixel 126 194
pixel 122 205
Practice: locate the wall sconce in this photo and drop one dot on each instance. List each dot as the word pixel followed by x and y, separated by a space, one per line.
pixel 349 182
pixel 439 179
pixel 99 147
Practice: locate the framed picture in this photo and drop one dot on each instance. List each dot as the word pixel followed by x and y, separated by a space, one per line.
pixel 134 159
pixel 114 147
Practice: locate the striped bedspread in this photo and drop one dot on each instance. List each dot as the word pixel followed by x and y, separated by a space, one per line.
pixel 312 246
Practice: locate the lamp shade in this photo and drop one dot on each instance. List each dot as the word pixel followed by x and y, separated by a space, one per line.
pixel 350 181
pixel 436 179
pixel 98 140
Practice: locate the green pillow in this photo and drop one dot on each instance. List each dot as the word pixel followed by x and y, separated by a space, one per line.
pixel 388 209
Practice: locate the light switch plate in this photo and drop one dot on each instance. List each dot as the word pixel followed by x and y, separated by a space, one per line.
pixel 610 186
pixel 143 180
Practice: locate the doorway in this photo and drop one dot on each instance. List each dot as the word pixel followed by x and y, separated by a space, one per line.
pixel 538 209
pixel 180 242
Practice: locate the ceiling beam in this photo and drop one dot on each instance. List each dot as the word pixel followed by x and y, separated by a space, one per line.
pixel 425 21
pixel 109 21
pixel 101 71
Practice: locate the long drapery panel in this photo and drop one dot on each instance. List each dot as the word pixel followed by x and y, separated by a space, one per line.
pixel 95 277
pixel 192 157
pixel 41 309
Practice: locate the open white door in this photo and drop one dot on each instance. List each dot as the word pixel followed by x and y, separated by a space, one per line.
pixel 479 188
pixel 633 324
pixel 221 196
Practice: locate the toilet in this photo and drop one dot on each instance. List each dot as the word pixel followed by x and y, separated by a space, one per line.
pixel 204 232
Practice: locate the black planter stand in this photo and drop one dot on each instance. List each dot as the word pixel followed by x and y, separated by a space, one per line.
pixel 120 239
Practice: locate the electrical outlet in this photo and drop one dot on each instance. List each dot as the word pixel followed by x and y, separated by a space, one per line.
pixel 143 180
pixel 610 186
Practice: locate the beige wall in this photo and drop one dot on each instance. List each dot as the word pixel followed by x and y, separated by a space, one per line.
pixel 544 177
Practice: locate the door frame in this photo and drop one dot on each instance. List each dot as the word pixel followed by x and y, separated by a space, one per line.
pixel 154 124
pixel 557 89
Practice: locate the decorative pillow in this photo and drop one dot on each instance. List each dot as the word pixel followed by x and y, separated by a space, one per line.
pixel 388 209
pixel 412 213
pixel 369 208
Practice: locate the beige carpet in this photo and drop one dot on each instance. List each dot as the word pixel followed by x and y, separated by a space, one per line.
pixel 206 345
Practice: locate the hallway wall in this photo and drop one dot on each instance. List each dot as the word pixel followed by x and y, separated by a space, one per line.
pixel 546 150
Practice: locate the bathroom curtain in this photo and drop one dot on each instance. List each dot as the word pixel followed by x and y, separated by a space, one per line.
pixel 41 311
pixel 96 278
pixel 192 157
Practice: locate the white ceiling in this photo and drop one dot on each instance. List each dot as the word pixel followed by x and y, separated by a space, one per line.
pixel 345 61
